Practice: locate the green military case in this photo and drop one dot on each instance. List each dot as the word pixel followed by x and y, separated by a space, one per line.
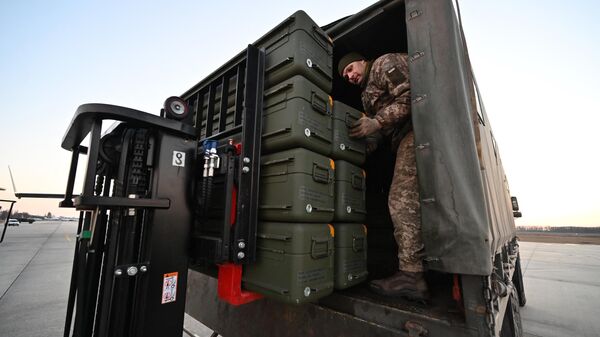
pixel 294 262
pixel 350 188
pixel 296 185
pixel 350 254
pixel 296 114
pixel 344 147
pixel 297 46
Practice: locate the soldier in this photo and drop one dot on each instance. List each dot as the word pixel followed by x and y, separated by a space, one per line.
pixel 386 99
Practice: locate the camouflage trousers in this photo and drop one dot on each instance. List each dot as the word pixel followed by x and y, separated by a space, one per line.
pixel 404 207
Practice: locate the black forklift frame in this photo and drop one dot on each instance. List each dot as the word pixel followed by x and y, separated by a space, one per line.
pixel 90 263
pixel 249 85
pixel 89 249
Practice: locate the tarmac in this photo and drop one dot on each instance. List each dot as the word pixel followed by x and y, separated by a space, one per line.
pixel 562 287
pixel 562 284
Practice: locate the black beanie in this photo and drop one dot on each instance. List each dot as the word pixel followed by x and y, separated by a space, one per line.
pixel 347 59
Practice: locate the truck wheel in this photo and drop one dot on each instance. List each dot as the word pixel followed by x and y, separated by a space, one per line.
pixel 517 280
pixel 512 326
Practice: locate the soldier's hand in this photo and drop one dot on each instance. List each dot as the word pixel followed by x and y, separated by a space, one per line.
pixel 364 127
pixel 372 142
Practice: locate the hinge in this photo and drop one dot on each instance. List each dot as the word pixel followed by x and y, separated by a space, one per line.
pixel 414 14
pixel 422 146
pixel 416 56
pixel 419 98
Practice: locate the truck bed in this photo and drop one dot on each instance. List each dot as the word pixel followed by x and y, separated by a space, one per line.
pixel 352 312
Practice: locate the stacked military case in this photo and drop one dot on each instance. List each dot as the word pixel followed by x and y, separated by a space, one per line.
pixel 350 202
pixel 295 241
pixel 297 46
pixel 294 262
pixel 295 248
pixel 295 253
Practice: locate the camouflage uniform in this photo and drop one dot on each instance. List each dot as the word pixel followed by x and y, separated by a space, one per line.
pixel 386 97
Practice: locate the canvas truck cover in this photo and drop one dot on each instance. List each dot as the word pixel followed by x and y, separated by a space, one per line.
pixel 454 212
pixel 465 203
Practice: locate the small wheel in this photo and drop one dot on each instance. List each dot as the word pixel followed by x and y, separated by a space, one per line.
pixel 176 108
pixel 512 325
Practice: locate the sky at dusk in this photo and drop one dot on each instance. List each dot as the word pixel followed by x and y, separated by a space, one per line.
pixel 536 63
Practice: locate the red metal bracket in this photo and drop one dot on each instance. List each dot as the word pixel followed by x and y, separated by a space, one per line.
pixel 456 294
pixel 238 148
pixel 229 286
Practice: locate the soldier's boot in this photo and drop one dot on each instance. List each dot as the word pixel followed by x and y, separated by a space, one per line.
pixel 403 284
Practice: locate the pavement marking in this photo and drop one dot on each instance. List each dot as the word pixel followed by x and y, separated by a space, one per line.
pixel 530 258
pixel 68 237
pixel 28 262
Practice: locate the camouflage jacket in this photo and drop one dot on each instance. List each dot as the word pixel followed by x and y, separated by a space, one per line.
pixel 386 94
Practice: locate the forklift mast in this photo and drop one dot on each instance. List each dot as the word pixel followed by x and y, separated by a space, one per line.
pixel 147 183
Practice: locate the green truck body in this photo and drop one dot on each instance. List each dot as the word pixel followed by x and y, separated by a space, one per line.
pixel 471 251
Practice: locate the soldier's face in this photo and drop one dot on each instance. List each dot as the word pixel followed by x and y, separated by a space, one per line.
pixel 355 72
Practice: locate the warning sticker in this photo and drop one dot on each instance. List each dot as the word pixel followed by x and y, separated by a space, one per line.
pixel 179 158
pixel 169 288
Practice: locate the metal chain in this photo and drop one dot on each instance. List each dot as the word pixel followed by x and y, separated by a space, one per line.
pixel 487 295
pixel 138 175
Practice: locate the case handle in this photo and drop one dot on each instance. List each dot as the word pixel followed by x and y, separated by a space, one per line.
pixel 318 136
pixel 359 211
pixel 350 119
pixel 319 254
pixel 350 148
pixel 276 207
pixel 322 209
pixel 278 161
pixel 278 89
pixel 320 104
pixel 357 182
pixel 359 275
pixel 276 66
pixel 275 162
pixel 358 243
pixel 322 36
pixel 276 132
pixel 321 174
pixel 277 237
pixel 320 70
